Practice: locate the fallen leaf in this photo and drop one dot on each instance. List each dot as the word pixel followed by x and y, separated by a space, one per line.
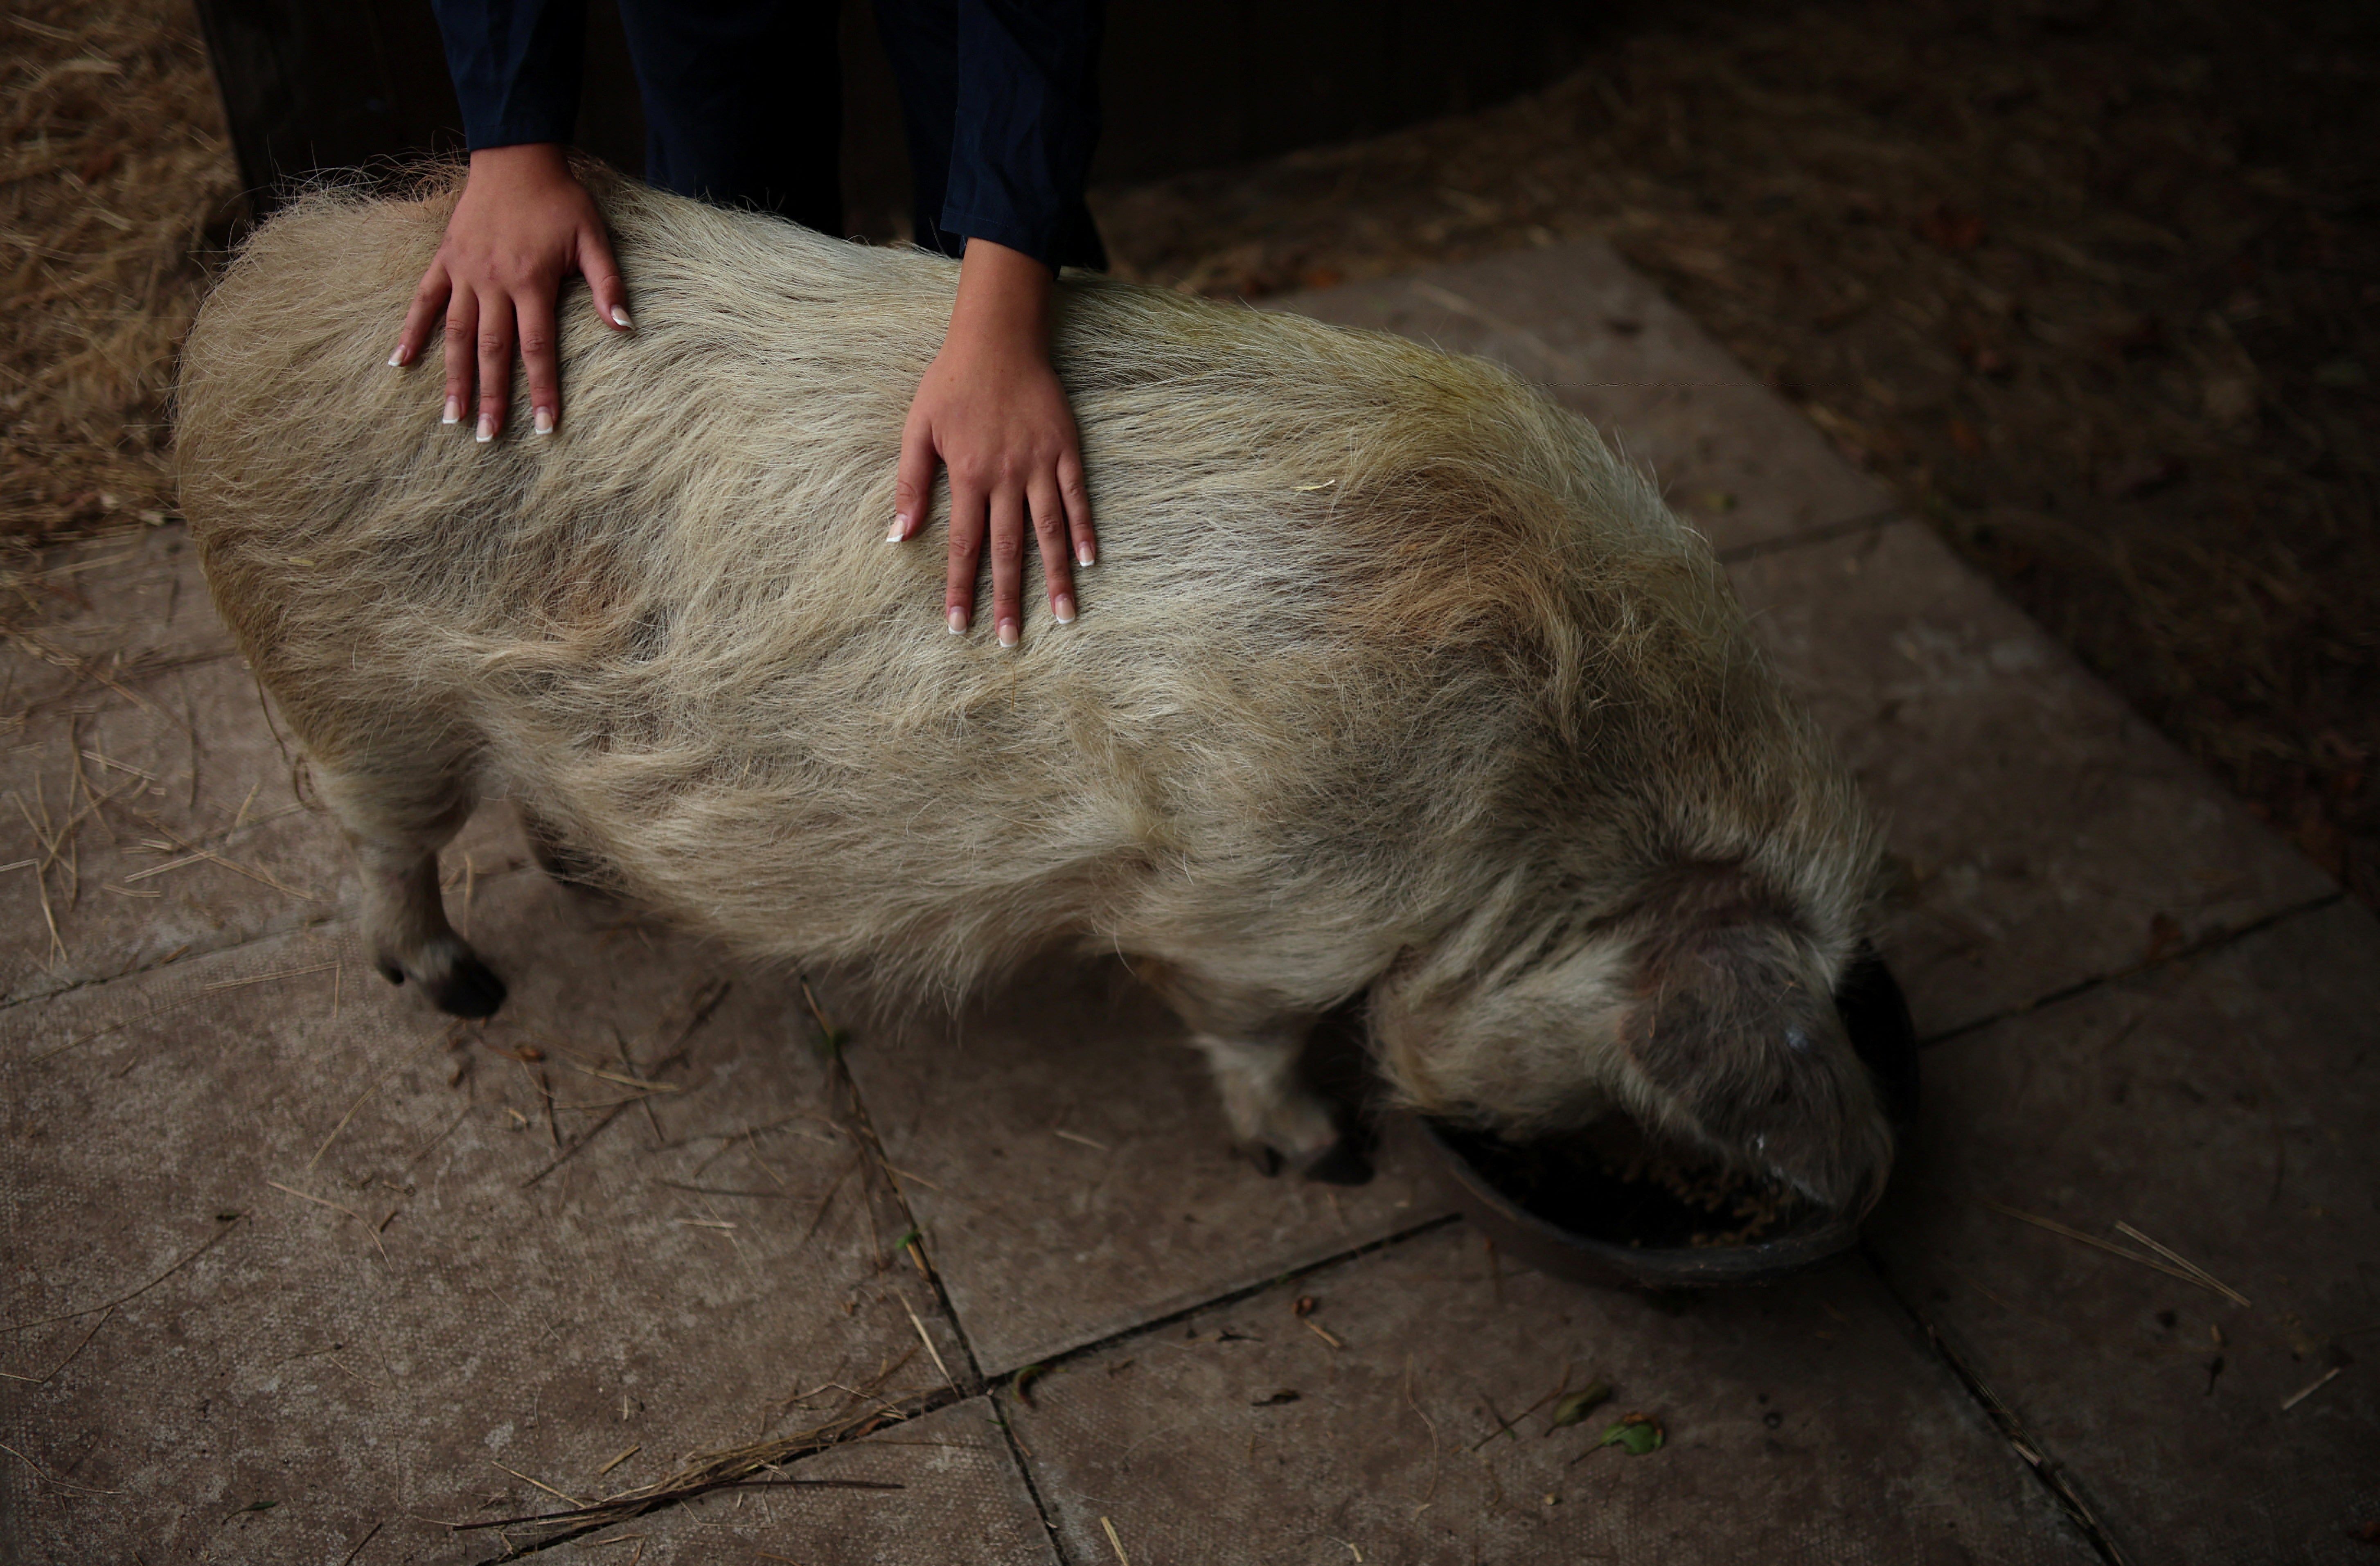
pixel 1574 1408
pixel 1636 1434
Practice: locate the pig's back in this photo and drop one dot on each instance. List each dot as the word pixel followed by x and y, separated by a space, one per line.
pixel 1343 581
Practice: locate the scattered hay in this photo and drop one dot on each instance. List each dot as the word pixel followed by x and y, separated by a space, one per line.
pixel 2157 1258
pixel 757 1466
pixel 114 167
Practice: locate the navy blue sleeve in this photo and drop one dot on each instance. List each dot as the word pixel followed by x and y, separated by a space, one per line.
pixel 515 64
pixel 1028 120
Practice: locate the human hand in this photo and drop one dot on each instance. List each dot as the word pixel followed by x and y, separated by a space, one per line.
pixel 522 226
pixel 990 411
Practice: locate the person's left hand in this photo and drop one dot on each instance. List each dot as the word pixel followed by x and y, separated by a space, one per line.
pixel 990 411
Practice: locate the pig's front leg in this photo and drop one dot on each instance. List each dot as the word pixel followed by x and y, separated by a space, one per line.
pixel 1253 1045
pixel 1274 1117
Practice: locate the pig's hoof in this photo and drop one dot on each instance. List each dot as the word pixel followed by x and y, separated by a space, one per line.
pixel 1343 1164
pixel 1285 1120
pixel 452 975
pixel 469 989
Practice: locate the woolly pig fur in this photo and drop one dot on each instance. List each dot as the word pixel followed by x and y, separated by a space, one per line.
pixel 1392 675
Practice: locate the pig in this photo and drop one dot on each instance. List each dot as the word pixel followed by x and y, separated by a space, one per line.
pixel 1393 685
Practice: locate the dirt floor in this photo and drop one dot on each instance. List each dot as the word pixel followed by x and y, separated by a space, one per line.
pixel 2093 285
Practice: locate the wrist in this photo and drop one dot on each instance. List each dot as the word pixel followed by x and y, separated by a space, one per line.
pixel 523 162
pixel 1003 299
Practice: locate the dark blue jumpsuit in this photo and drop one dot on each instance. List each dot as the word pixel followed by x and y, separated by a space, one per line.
pixel 744 104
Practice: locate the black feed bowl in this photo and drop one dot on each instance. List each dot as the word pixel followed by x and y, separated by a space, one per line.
pixel 1876 1017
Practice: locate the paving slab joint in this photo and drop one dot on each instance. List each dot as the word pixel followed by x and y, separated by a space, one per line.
pixel 961 1382
pixel 866 1129
pixel 195 948
pixel 1017 1455
pixel 1234 1296
pixel 1825 532
pixel 122 682
pixel 2052 1473
pixel 2212 941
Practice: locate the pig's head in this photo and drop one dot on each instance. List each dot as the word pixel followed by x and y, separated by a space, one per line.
pixel 1703 1007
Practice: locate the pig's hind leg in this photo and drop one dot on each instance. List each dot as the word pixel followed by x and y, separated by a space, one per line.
pixel 396 821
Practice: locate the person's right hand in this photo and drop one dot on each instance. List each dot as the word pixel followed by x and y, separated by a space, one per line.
pixel 522 226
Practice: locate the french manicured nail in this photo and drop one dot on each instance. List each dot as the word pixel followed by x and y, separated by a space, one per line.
pixel 545 421
pixel 958 621
pixel 1086 555
pixel 1063 607
pixel 1008 633
pixel 454 412
pixel 900 529
pixel 620 317
pixel 400 358
pixel 487 427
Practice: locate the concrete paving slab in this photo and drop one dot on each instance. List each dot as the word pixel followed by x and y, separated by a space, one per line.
pixel 963 1500
pixel 172 802
pixel 2224 1107
pixel 1734 459
pixel 361 1256
pixel 119 608
pixel 2053 836
pixel 490 1288
pixel 1804 1422
pixel 1065 1154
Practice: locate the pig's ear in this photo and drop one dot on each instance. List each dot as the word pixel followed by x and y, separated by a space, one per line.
pixel 1742 1054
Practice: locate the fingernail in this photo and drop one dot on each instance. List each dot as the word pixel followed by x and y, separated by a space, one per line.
pixel 1086 555
pixel 1063 607
pixel 620 317
pixel 487 427
pixel 545 421
pixel 958 621
pixel 1008 633
pixel 397 360
pixel 900 529
pixel 454 412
